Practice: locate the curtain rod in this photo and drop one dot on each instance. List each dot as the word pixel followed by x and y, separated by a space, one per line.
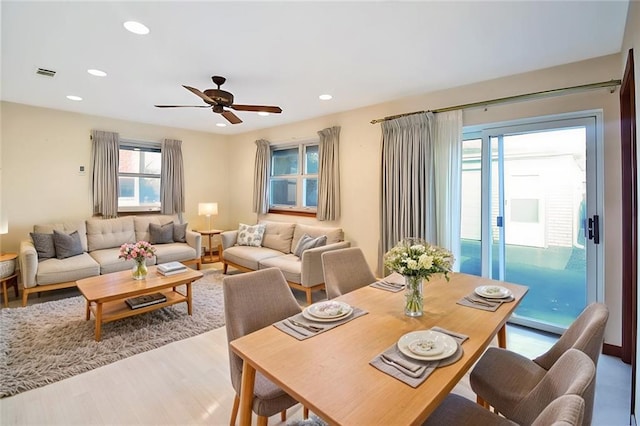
pixel 526 96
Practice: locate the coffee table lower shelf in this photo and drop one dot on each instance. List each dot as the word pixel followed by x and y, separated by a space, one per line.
pixel 105 312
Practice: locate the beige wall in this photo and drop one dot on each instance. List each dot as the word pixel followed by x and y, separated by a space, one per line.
pixel 360 152
pixel 42 150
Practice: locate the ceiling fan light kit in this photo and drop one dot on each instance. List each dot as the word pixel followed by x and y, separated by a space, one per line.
pixel 218 100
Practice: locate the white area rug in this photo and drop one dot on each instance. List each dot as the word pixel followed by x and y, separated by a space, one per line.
pixel 47 342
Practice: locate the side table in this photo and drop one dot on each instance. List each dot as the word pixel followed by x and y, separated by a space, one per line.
pixel 11 279
pixel 207 255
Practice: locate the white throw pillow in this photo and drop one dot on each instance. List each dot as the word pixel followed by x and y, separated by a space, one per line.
pixel 250 235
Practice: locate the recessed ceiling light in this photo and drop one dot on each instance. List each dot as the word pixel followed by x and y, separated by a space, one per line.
pixel 325 97
pixel 221 125
pixel 263 113
pixel 136 27
pixel 97 73
pixel 74 98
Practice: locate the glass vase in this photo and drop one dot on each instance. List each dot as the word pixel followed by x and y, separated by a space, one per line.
pixel 413 299
pixel 139 271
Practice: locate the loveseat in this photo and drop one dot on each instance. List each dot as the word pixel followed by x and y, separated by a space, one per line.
pixel 47 262
pixel 278 247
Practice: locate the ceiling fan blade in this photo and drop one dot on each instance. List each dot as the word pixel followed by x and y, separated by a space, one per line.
pixel 200 94
pixel 182 106
pixel 257 108
pixel 231 117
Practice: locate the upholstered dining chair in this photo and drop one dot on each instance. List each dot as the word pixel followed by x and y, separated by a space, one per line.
pixel 573 374
pixel 252 301
pixel 345 270
pixel 502 377
pixel 566 410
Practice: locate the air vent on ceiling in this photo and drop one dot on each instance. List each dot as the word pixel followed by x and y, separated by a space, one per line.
pixel 45 72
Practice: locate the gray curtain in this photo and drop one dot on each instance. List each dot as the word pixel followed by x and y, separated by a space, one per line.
pixel 104 163
pixel 172 178
pixel 329 174
pixel 261 177
pixel 408 196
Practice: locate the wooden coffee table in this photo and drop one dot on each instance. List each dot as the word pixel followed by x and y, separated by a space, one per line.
pixel 106 294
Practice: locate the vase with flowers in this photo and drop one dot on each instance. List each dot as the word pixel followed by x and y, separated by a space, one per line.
pixel 417 260
pixel 139 253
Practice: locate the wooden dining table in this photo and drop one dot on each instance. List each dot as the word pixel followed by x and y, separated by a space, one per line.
pixel 330 373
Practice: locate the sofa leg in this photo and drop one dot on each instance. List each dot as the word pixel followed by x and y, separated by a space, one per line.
pixel 224 270
pixel 309 298
pixel 25 295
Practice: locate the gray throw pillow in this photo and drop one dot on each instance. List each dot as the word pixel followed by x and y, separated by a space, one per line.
pixel 306 242
pixel 67 245
pixel 180 233
pixel 44 245
pixel 161 234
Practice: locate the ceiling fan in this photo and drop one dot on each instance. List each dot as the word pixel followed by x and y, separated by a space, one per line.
pixel 218 100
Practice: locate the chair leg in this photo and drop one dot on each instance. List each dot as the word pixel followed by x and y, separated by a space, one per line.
pixel 234 410
pixel 482 402
pixel 283 415
pixel 262 420
pixel 305 413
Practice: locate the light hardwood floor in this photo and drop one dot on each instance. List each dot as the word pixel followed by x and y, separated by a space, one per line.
pixel 187 383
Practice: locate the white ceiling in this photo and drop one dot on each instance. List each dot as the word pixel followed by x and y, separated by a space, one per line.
pixel 284 53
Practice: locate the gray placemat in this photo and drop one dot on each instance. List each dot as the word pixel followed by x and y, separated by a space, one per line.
pixel 472 300
pixel 301 334
pixel 384 285
pixel 411 371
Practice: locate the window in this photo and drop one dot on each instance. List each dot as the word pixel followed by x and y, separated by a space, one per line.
pixel 139 176
pixel 293 184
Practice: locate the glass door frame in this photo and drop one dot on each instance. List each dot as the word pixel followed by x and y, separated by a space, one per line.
pixel 592 120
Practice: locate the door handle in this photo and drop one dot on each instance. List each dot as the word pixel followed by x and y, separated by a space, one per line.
pixel 594 228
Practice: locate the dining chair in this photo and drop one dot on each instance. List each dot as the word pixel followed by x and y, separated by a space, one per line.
pixel 573 374
pixel 345 270
pixel 502 377
pixel 252 301
pixel 566 410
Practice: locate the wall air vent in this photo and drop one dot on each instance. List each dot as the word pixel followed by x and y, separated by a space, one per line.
pixel 45 72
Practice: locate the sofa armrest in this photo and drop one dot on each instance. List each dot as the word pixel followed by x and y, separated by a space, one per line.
pixel 311 268
pixel 229 238
pixel 28 261
pixel 194 239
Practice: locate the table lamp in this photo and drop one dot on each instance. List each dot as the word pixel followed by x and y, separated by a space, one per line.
pixel 207 209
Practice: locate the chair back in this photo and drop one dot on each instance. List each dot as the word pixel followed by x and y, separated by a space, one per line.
pixel 573 374
pixel 567 410
pixel 252 301
pixel 586 334
pixel 345 270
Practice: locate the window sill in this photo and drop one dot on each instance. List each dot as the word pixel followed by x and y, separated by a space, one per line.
pixel 293 212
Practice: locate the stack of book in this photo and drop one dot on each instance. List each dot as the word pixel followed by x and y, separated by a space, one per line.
pixel 171 268
pixel 146 300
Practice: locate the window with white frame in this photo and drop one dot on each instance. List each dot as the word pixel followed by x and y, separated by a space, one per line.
pixel 293 183
pixel 139 169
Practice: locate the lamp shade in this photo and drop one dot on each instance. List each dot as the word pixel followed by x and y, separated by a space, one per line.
pixel 207 209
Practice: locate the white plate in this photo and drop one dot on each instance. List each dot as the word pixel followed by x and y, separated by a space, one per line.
pixel 493 291
pixel 449 345
pixel 330 309
pixel 309 316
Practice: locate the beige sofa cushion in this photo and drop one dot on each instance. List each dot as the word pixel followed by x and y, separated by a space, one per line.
pixel 290 265
pixel 174 252
pixel 249 256
pixel 66 227
pixel 51 271
pixel 334 235
pixel 278 236
pixel 110 233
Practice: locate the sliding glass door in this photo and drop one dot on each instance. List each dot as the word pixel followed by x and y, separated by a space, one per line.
pixel 529 215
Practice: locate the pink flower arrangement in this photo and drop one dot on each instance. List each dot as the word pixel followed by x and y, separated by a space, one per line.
pixel 138 251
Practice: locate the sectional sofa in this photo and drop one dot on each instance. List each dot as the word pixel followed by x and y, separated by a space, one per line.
pixel 277 248
pixel 100 239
